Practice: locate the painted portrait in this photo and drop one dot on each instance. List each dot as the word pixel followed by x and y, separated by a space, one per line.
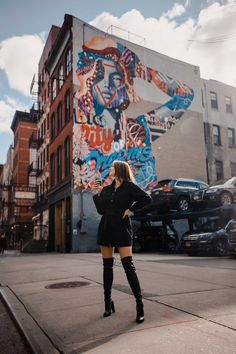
pixel 106 72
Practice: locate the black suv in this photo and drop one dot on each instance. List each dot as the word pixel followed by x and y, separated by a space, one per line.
pixel 211 238
pixel 175 193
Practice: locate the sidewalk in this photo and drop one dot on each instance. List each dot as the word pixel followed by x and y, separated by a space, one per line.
pixel 189 307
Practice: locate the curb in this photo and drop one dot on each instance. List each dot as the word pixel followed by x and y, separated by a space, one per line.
pixel 36 339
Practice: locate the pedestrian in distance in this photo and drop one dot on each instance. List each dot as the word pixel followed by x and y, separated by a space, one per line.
pixel 116 203
pixel 3 244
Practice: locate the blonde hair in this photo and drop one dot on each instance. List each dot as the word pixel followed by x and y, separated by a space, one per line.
pixel 123 171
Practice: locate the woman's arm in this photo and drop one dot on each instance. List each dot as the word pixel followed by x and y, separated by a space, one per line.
pixel 182 95
pixel 139 197
pixel 99 203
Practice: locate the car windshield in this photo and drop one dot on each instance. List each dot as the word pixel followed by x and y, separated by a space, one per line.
pixel 166 183
pixel 225 182
pixel 208 226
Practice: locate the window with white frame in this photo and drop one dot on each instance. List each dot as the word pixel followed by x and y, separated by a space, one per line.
pixel 54 88
pixel 228 104
pixel 230 133
pixel 216 135
pixel 61 76
pixel 68 62
pixel 214 103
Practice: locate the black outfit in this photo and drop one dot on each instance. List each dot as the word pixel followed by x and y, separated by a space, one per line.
pixel 3 244
pixel 114 230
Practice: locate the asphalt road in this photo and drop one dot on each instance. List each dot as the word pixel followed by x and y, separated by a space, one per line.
pixel 190 304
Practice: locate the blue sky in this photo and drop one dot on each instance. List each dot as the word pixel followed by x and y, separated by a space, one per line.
pixel 27 22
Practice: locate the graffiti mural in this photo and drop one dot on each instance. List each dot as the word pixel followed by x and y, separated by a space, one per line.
pixel 106 72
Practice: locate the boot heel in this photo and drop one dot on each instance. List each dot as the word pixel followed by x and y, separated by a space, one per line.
pixel 140 313
pixel 109 308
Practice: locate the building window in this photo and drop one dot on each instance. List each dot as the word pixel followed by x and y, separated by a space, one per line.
pixel 233 169
pixel 219 170
pixel 54 88
pixel 52 126
pixel 230 133
pixel 59 117
pixel 67 106
pixel 52 169
pixel 59 164
pixel 48 89
pixel 214 103
pixel 44 157
pixel 216 135
pixel 68 62
pixel 228 104
pixel 47 154
pixel 67 156
pixel 47 121
pixel 203 105
pixel 61 76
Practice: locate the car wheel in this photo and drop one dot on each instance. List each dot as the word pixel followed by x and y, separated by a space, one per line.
pixel 171 247
pixel 183 204
pixel 137 248
pixel 221 248
pixel 226 198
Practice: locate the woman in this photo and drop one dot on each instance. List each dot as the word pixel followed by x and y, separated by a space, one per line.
pixel 116 202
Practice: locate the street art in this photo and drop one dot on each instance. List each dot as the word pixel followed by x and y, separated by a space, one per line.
pixel 106 72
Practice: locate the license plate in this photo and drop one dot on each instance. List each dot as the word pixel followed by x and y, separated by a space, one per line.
pixel 187 244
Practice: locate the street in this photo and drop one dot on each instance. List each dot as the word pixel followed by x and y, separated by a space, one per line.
pixel 190 303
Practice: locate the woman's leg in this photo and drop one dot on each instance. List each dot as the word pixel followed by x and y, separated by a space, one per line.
pixel 127 262
pixel 107 255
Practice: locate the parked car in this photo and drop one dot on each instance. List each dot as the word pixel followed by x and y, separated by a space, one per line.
pixel 210 238
pixel 175 193
pixel 231 227
pixel 221 193
pixel 149 235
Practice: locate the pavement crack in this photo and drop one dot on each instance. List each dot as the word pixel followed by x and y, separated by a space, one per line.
pixel 191 313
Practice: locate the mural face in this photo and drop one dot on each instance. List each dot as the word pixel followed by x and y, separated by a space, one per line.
pixel 106 72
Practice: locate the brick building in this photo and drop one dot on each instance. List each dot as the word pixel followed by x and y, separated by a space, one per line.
pixel 39 165
pixel 6 208
pixel 23 193
pixel 85 135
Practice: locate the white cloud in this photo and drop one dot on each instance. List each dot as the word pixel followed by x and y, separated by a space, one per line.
pixel 19 57
pixel 187 41
pixel 177 10
pixel 8 106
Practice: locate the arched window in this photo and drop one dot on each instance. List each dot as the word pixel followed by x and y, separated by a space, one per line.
pixel 67 156
pixel 52 126
pixel 54 88
pixel 67 105
pixel 59 164
pixel 52 169
pixel 59 117
pixel 68 62
pixel 61 76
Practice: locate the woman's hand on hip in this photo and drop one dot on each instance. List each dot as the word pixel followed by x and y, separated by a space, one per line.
pixel 127 213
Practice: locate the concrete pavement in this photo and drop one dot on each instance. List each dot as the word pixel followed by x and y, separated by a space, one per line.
pixel 190 304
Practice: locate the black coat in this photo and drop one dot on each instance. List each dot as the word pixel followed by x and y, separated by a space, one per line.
pixel 114 230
